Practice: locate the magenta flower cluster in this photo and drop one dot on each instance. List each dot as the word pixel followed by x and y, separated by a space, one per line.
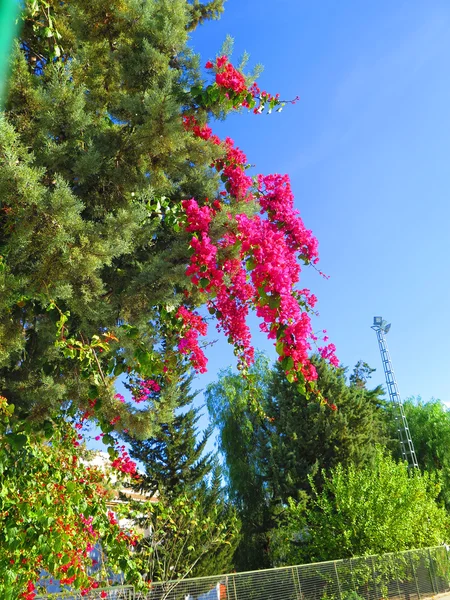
pixel 255 265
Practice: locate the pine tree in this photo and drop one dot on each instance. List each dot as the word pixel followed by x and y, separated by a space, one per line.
pixel 362 372
pixel 180 474
pixel 213 499
pixel 173 459
pixel 201 12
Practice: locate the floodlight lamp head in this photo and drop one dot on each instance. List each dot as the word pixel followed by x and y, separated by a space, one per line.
pixel 379 324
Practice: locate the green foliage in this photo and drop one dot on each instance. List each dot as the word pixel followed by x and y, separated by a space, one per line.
pixel 214 501
pixel 94 162
pixel 182 536
pixel 194 529
pixel 361 374
pixel 241 438
pixel 243 441
pixel 307 437
pixel 173 458
pixel 367 510
pixel 429 425
pixel 200 12
pixel 46 493
pixel 272 458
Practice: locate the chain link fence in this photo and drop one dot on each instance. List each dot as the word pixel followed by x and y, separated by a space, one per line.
pixel 112 593
pixel 411 575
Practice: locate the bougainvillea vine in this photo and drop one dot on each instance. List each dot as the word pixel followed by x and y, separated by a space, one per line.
pixel 255 264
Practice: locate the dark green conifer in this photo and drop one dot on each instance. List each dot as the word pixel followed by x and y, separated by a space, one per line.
pixel 92 145
pixel 173 459
pixel 307 437
pixel 177 471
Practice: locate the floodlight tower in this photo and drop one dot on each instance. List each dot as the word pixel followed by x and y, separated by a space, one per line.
pixel 381 327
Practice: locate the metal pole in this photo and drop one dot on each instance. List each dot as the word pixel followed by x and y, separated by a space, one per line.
pixel 353 576
pixel 297 586
pixel 337 580
pixel 404 436
pixel 374 577
pixel 415 578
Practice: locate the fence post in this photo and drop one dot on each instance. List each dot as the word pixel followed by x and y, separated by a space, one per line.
pixel 397 577
pixel 374 577
pixel 414 573
pixel 398 587
pixel 353 576
pixel 297 585
pixel 432 573
pixel 337 579
pixel 234 587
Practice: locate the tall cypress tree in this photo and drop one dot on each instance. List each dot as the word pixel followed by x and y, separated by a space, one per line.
pixel 307 437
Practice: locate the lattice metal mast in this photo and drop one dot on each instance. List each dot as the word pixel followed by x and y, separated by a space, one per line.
pixel 404 435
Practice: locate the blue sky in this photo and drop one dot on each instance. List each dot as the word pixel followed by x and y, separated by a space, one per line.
pixel 367 148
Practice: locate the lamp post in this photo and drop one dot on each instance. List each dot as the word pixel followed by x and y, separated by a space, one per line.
pixel 381 328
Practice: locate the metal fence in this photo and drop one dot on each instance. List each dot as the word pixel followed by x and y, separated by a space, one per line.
pixel 112 593
pixel 412 575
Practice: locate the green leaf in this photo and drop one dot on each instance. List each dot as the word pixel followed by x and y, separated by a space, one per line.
pixel 17 440
pixel 48 429
pixel 213 94
pixel 250 264
pixel 93 392
pixel 119 369
pixel 301 388
pixel 112 453
pixel 280 332
pixel 132 332
pixel 274 301
pixel 196 90
pixel 287 363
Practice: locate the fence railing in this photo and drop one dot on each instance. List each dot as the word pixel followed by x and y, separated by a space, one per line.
pixel 113 593
pixel 411 575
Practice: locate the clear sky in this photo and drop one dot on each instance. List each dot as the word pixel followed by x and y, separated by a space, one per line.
pixel 367 148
